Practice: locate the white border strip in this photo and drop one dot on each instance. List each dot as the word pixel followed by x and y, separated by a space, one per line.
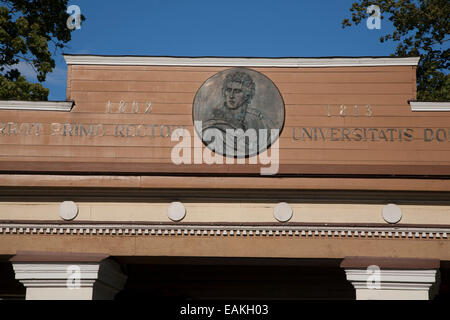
pixel 237 62
pixel 429 106
pixel 65 106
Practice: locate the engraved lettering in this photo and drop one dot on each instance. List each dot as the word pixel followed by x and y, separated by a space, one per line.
pixel 391 133
pixel 441 135
pixel 324 136
pixel 131 128
pixel 148 108
pixel 122 106
pixel 119 130
pixel 84 131
pixel 309 134
pixel 37 128
pixel 100 130
pixel 293 134
pixel 400 134
pixel 25 129
pixel 55 128
pixel 333 133
pixel 428 135
pixel 345 133
pixel 161 131
pixel 343 110
pixel 365 134
pixel 140 130
pixel 153 129
pixel 373 131
pixel 12 128
pixel 357 135
pixel 408 134
pixel 135 107
pixel 382 135
pixel 67 129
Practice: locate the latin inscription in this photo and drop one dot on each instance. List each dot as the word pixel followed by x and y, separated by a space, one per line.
pixel 370 134
pixel 141 130
pixel 20 129
pixel 165 131
pixel 87 129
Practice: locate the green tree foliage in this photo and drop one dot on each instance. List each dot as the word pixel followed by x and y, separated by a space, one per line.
pixel 28 31
pixel 422 28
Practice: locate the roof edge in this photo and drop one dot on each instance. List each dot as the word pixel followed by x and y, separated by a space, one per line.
pixel 65 106
pixel 239 61
pixel 429 106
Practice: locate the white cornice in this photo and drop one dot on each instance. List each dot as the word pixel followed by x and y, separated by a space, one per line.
pixel 36 105
pixel 239 62
pixel 429 106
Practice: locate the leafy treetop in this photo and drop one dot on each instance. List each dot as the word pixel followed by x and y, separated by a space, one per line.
pixel 422 28
pixel 26 29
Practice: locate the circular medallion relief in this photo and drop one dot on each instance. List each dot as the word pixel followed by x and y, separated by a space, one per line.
pixel 238 113
pixel 282 212
pixel 392 213
pixel 68 210
pixel 176 211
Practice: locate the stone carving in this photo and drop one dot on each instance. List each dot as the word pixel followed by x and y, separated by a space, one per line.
pixel 238 107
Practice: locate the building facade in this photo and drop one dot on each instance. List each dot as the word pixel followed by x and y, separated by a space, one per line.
pixel 130 188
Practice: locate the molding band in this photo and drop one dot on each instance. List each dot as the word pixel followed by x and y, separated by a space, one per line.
pixel 225 231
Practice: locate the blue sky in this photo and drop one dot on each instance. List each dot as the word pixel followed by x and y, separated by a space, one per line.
pixel 262 28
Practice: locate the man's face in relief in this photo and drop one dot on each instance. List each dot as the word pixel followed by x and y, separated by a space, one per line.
pixel 234 95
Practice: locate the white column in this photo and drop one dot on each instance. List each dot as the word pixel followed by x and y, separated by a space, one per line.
pixel 70 280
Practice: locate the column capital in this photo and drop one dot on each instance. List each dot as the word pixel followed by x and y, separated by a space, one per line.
pixel 385 278
pixel 73 276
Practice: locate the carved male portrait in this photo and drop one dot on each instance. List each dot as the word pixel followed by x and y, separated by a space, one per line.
pixel 238 103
